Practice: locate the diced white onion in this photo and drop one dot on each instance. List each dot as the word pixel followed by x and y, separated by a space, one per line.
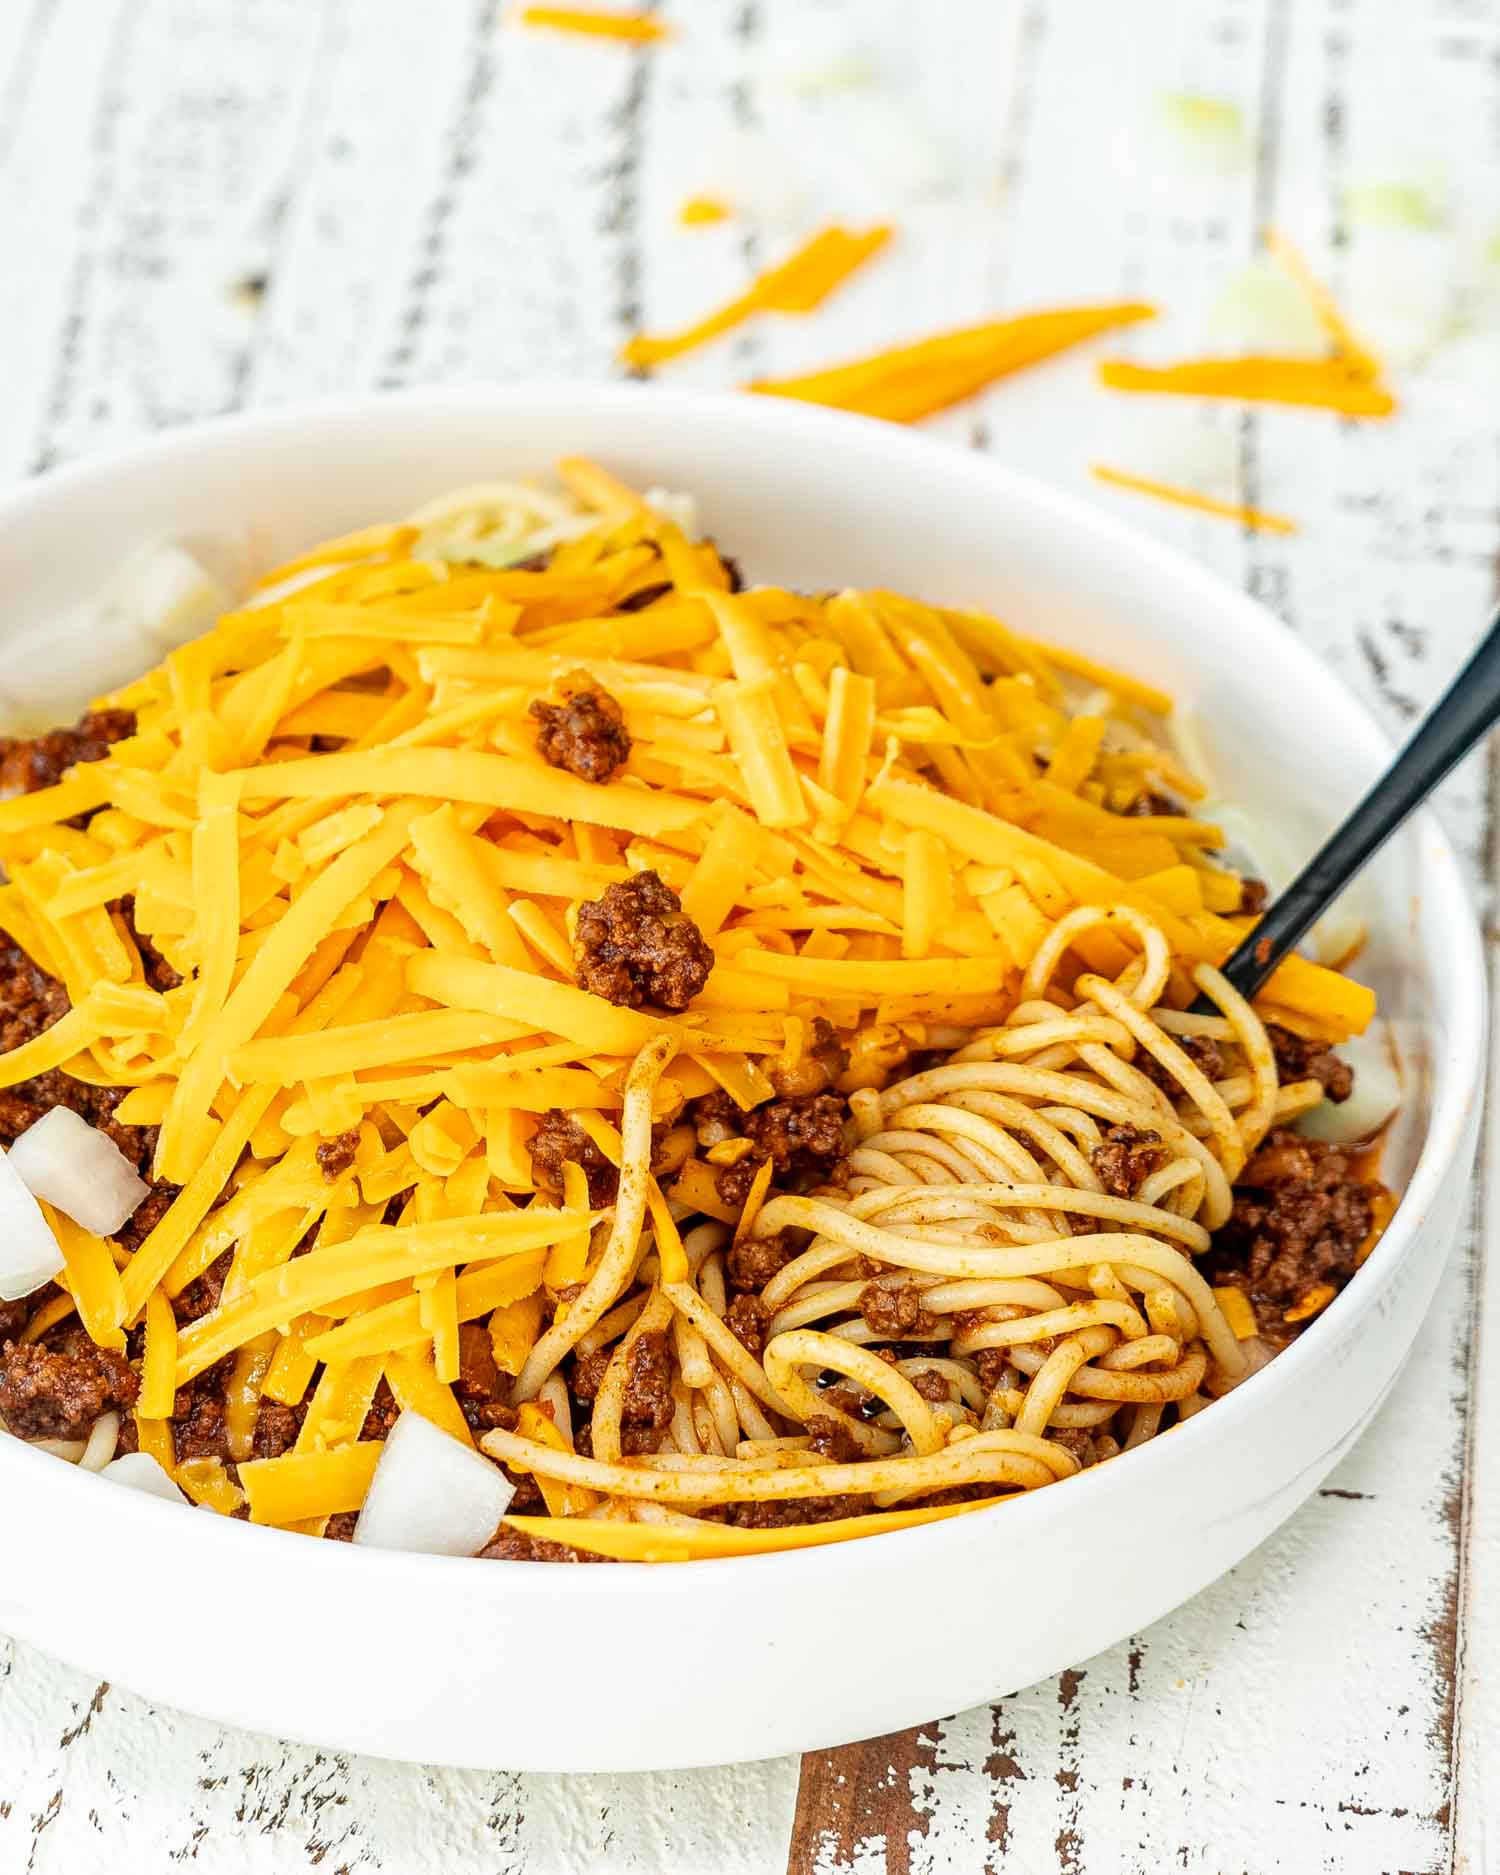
pixel 162 596
pixel 680 509
pixel 99 1448
pixel 1257 849
pixel 80 1170
pixel 1376 1095
pixel 140 1472
pixel 166 593
pixel 1173 439
pixel 1263 309
pixel 70 1450
pixel 758 176
pixel 29 1253
pixel 1204 135
pixel 432 1494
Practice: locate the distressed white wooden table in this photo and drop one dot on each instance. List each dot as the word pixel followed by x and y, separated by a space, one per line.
pixel 211 203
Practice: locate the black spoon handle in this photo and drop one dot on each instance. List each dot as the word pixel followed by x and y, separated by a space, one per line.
pixel 1469 707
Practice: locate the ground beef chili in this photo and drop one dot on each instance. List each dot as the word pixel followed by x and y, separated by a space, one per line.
pixel 1125 1157
pixel 1300 1060
pixel 751 1264
pixel 1204 1053
pixel 636 945
pixel 895 1314
pixel 559 1140
pixel 1301 1213
pixel 58 1391
pixel 32 762
pixel 336 1155
pixel 804 1138
pixel 585 733
pixel 746 1319
pixel 647 1408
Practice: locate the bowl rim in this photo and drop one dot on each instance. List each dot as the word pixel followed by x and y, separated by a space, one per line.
pixel 1456 1073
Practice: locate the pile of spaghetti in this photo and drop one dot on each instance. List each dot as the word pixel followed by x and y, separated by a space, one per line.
pixel 419 932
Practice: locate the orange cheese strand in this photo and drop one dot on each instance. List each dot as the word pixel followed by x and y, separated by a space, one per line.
pixel 1189 498
pixel 1348 381
pixel 796 286
pixel 692 1539
pixel 913 381
pixel 1355 356
pixel 698 211
pixel 634 28
pixel 1323 384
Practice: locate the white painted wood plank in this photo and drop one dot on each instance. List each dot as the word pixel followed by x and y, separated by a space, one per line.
pixel 176 164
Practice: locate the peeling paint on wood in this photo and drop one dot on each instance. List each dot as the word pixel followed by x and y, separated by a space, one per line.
pixel 208 205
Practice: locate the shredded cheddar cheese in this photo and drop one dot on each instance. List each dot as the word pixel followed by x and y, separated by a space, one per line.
pixel 914 381
pixel 633 28
pixel 1254 518
pixel 1348 380
pixel 873 811
pixel 798 285
pixel 698 211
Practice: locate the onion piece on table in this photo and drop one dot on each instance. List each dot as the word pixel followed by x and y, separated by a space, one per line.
pixel 432 1494
pixel 139 1471
pixel 79 1169
pixel 29 1253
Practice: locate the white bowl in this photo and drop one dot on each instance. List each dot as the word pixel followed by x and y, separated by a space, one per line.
pixel 630 1667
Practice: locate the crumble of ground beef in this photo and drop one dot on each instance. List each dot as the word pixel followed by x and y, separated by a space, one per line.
pixel 15 1315
pixel 804 1138
pixel 1076 1440
pixel 57 1391
pixel 585 733
pixel 516 1546
pixel 159 973
pixel 560 1139
pixel 201 1296
pixel 746 1319
pixel 648 1381
pixel 896 1314
pixel 31 762
pixel 336 1155
pixel 276 1428
pixel 752 1263
pixel 1124 1157
pixel 932 1386
pixel 1298 1059
pixel 1254 894
pixel 635 945
pixel 830 1438
pixel 1300 1215
pixel 1204 1053
pixel 779 1514
pixel 480 1386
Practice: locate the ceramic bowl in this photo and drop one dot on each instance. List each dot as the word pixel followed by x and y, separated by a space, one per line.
pixel 630 1667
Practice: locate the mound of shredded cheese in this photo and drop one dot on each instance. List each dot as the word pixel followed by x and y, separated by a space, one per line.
pixel 336 826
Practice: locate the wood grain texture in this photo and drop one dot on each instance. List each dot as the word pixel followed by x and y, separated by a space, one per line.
pixel 208 205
